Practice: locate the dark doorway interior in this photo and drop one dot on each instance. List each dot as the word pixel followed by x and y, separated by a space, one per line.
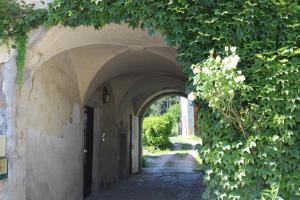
pixel 131 147
pixel 88 150
pixel 123 160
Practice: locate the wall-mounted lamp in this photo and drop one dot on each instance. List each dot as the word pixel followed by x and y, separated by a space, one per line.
pixel 106 95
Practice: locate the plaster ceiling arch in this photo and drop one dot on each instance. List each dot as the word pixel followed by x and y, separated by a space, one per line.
pixel 91 50
pixel 131 83
pixel 60 66
pixel 138 109
pixel 92 70
pixel 158 95
pixel 144 87
pixel 134 64
pixel 141 100
pixel 43 43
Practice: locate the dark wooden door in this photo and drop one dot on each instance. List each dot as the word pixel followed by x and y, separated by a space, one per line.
pixel 88 150
pixel 130 147
pixel 123 155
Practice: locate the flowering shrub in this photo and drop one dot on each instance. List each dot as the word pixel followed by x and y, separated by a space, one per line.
pixel 250 126
pixel 217 80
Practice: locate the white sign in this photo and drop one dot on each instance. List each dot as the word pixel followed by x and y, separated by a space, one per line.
pixel 2 145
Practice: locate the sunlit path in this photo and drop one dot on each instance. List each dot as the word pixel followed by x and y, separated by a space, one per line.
pixel 167 175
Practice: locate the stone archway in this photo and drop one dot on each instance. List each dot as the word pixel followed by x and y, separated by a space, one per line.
pixel 141 111
pixel 67 69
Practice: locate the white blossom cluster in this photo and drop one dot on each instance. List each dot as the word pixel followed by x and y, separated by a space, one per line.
pixel 217 79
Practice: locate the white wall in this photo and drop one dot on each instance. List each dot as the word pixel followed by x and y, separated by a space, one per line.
pixel 135 144
pixel 187 117
pixel 49 118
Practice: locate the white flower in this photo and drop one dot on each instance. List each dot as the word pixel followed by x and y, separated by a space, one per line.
pixel 230 62
pixel 96 1
pixel 233 50
pixel 218 59
pixel 225 60
pixel 239 79
pixel 196 70
pixel 226 49
pixel 275 137
pixel 211 52
pixel 234 60
pixel 191 97
pixel 205 70
pixel 230 91
pixel 227 76
pixel 239 72
pixel 208 172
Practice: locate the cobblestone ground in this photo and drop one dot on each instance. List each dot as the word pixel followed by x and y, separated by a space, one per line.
pixel 166 177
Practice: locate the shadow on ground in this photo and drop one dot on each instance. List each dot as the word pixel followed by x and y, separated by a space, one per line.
pixel 171 175
pixel 186 186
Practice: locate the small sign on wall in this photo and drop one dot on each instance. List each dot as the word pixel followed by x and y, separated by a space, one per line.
pixel 2 145
pixel 3 168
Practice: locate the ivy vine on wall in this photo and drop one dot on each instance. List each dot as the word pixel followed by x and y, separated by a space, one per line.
pixel 265 163
pixel 16 20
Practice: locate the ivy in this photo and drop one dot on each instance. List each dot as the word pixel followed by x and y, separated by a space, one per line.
pixel 16 20
pixel 253 128
pixel 265 163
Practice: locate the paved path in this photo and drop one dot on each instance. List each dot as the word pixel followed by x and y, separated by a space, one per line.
pixel 166 177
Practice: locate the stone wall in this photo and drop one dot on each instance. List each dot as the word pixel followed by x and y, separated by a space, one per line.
pixel 50 114
pixel 14 186
pixel 44 119
pixel 135 144
pixel 187 117
pixel 110 156
pixel 113 156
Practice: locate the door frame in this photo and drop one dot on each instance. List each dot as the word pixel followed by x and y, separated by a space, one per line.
pixel 88 151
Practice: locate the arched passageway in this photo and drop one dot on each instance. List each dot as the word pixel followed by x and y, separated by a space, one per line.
pixel 81 105
pixel 167 172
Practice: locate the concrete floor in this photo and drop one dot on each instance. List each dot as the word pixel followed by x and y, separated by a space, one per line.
pixel 166 177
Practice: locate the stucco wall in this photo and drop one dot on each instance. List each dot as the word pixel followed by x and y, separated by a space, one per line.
pixel 13 187
pixel 187 117
pixel 110 163
pixel 49 112
pixel 54 136
pixel 44 126
pixel 108 152
pixel 135 144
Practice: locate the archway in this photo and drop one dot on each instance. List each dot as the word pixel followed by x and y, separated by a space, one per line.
pixel 79 68
pixel 171 173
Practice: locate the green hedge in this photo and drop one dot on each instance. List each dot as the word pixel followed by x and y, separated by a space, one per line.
pixel 174 115
pixel 156 131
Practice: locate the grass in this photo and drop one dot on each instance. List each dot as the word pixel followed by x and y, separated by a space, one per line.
pixel 185 150
pixel 186 139
pixel 185 142
pixel 151 151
